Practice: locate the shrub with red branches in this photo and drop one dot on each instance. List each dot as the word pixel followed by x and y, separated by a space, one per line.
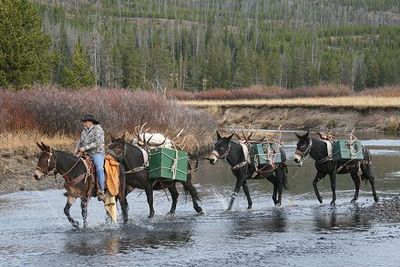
pixel 262 92
pixel 53 111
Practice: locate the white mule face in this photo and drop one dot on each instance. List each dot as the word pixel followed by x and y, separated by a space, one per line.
pixel 214 157
pixel 297 159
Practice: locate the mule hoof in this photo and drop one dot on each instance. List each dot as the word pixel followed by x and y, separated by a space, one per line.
pixel 199 210
pixel 249 207
pixel 75 224
pixel 333 203
pixel 278 204
pixel 353 200
pixel 150 216
pixel 171 213
pixel 320 200
pixel 376 199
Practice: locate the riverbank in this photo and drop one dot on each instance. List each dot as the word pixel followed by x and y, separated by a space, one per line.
pixel 308 113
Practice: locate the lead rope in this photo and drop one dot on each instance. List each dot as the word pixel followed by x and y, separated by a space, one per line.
pixel 174 164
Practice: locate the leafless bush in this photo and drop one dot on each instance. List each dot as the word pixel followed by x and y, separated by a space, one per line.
pixel 385 91
pixel 262 92
pixel 58 111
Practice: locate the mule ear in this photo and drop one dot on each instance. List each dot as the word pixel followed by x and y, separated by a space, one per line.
pixel 306 135
pixel 123 137
pixel 112 137
pixel 298 136
pixel 230 137
pixel 45 147
pixel 219 136
pixel 40 146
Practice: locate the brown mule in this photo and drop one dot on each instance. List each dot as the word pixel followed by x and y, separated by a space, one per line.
pixel 78 173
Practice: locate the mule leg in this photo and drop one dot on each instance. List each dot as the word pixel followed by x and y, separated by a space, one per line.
pixel 279 180
pixel 149 194
pixel 174 195
pixel 239 182
pixel 332 177
pixel 368 175
pixel 70 201
pixel 84 205
pixel 357 182
pixel 247 193
pixel 318 177
pixel 275 190
pixel 124 208
pixel 193 193
pixel 279 189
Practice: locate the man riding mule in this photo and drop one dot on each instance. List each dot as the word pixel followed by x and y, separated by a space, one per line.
pixel 79 176
pixel 92 143
pixel 237 155
pixel 359 169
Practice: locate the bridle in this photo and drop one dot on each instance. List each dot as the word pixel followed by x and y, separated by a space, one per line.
pixel 304 153
pixel 52 155
pixel 223 156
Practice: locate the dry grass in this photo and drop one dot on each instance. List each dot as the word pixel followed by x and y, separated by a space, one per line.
pixel 26 141
pixel 347 101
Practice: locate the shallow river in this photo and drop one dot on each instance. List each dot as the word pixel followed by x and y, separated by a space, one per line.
pixel 34 230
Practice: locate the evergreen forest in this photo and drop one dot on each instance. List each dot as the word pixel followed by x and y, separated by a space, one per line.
pixel 197 45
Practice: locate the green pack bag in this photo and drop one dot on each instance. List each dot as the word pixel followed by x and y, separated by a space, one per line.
pixel 265 154
pixel 168 164
pixel 344 151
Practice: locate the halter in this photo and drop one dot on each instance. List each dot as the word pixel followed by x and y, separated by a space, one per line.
pixel 306 152
pixel 52 154
pixel 223 156
pixel 120 158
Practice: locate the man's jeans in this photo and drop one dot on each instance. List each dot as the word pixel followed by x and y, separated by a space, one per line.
pixel 98 161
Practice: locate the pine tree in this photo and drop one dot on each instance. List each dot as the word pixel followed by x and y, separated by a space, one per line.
pixel 80 73
pixel 25 57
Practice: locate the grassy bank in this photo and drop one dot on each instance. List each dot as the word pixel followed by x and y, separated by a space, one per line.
pixel 360 101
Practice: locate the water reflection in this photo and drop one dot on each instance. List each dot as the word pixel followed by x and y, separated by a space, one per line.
pixel 252 223
pixel 331 219
pixel 126 239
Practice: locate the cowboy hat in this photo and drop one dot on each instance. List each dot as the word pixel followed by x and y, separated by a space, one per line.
pixel 89 117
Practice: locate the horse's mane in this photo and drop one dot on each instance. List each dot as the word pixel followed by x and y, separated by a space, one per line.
pixel 67 155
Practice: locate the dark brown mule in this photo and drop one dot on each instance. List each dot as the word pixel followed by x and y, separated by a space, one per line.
pixel 80 181
pixel 131 157
pixel 225 148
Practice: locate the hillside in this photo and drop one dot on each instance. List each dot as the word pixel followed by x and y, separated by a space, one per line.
pixel 202 44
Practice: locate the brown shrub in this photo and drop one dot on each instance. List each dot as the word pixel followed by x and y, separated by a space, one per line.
pixel 52 112
pixel 385 91
pixel 262 92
